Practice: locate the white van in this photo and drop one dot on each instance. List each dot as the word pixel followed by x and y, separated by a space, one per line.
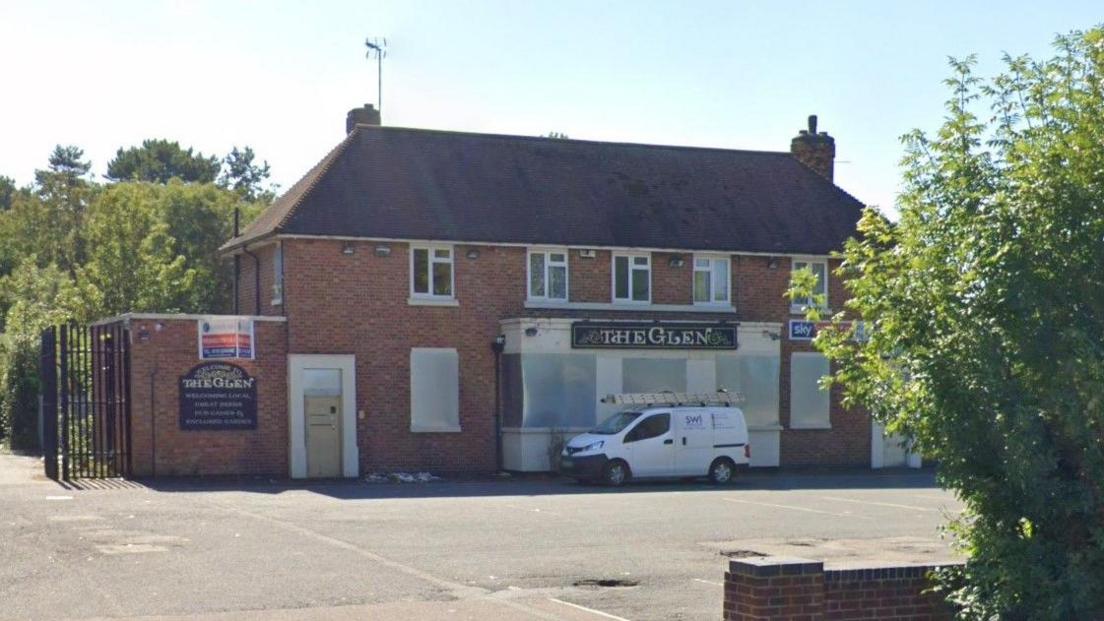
pixel 664 441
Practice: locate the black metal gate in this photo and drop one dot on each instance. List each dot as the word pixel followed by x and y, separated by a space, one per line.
pixel 85 375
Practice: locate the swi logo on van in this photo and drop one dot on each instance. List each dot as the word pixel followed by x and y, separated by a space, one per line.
pixel 625 335
pixel 695 421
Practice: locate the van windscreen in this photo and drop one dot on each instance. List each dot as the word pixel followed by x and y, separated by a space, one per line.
pixel 616 423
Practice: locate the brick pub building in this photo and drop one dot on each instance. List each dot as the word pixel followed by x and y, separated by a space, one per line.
pixel 416 283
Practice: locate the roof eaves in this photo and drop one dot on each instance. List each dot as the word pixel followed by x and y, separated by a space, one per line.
pixel 312 178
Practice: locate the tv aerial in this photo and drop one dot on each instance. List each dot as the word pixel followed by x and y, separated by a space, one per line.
pixel 377 47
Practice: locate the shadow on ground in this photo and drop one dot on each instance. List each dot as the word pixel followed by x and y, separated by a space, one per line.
pixel 528 485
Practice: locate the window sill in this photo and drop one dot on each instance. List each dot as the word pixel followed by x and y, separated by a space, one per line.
pixel 630 306
pixel 801 310
pixel 809 427
pixel 722 306
pixel 417 429
pixel 416 301
pixel 277 302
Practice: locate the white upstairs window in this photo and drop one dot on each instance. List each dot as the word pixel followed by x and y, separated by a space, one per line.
pixel 548 275
pixel 431 272
pixel 820 270
pixel 632 278
pixel 711 280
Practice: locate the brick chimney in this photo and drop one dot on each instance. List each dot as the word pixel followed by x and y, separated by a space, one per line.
pixel 367 115
pixel 817 151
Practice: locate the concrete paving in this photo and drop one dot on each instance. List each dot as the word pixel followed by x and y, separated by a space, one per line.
pixel 499 549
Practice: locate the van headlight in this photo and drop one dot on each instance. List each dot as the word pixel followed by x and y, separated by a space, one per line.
pixel 593 446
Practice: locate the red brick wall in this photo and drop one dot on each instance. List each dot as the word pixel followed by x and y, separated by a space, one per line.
pixel 357 304
pixel 590 279
pixel 787 589
pixel 164 350
pixel 247 301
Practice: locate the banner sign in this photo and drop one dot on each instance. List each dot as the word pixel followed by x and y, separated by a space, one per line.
pixel 223 336
pixel 652 335
pixel 801 330
pixel 218 396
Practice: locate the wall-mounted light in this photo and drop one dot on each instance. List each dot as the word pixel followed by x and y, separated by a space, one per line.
pixel 772 263
pixel 473 253
pixel 348 248
pixel 531 331
pixel 587 254
pixel 774 336
pixel 498 344
pixel 676 260
pixel 383 251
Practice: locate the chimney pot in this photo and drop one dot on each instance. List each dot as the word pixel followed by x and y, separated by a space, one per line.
pixel 812 124
pixel 366 115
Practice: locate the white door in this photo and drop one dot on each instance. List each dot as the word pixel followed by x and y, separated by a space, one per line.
pixel 693 441
pixel 323 436
pixel 322 423
pixel 651 446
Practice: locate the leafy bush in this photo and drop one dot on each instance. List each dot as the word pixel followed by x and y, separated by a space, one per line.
pixel 984 309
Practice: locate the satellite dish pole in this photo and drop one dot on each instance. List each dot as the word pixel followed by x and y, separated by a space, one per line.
pixel 377 47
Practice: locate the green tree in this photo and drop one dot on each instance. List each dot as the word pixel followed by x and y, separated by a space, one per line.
pixel 7 192
pixel 159 160
pixel 244 176
pixel 36 297
pixel 984 306
pixel 133 263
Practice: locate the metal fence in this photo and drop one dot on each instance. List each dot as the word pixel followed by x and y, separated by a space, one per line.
pixel 85 379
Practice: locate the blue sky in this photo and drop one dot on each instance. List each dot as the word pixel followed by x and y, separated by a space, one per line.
pixel 279 76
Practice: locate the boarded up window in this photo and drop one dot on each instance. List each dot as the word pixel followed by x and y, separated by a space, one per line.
pixel 755 376
pixel 808 402
pixel 434 390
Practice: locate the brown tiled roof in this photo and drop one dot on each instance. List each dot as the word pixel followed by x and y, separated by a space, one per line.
pixel 399 183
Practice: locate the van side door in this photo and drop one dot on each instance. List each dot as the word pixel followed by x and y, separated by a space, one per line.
pixel 650 446
pixel 693 441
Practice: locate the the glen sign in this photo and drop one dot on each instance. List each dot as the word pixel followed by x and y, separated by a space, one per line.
pixel 625 335
pixel 218 396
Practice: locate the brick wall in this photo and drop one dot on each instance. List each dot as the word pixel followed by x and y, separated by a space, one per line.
pixel 247 300
pixel 162 351
pixel 789 589
pixel 338 303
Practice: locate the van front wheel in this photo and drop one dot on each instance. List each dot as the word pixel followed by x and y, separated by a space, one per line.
pixel 615 473
pixel 721 471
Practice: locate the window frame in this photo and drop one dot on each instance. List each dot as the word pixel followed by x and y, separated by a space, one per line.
pixel 632 434
pixel 430 261
pixel 629 256
pixel 547 252
pixel 278 274
pixel 713 261
pixel 798 307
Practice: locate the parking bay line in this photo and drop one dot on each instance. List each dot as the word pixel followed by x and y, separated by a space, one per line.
pixel 805 509
pixel 592 611
pixel 880 504
pixel 455 589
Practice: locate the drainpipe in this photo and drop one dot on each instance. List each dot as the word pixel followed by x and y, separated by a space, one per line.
pixel 497 346
pixel 237 262
pixel 153 421
pixel 256 280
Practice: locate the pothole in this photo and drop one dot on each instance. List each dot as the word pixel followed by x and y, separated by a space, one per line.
pixel 608 583
pixel 741 553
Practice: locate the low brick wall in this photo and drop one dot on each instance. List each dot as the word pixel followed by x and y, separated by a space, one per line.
pixel 165 348
pixel 794 589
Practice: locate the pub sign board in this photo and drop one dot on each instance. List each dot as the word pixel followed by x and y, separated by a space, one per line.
pixel 217 396
pixel 652 335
